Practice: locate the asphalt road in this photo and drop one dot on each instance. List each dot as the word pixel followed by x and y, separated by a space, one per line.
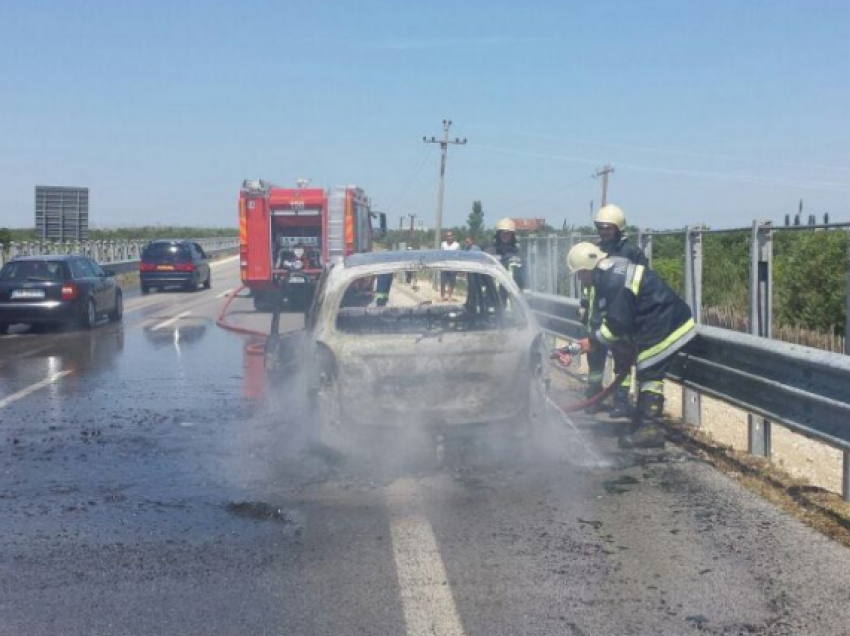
pixel 151 482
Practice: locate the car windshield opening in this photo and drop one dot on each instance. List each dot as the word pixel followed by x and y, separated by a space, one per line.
pixel 405 302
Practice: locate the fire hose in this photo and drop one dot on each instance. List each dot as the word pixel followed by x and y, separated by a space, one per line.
pixel 564 357
pixel 255 348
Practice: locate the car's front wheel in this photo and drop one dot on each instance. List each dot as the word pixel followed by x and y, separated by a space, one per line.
pixel 118 311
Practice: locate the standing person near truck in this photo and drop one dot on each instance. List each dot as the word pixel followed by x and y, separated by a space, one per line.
pixel 610 223
pixel 645 321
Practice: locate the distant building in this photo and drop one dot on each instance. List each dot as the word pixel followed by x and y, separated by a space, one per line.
pixel 62 214
pixel 529 225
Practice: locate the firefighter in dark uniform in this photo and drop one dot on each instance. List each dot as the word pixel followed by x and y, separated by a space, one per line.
pixel 610 224
pixel 640 314
pixel 506 250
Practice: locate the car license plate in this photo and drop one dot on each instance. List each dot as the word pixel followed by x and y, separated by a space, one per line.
pixel 165 268
pixel 297 279
pixel 27 293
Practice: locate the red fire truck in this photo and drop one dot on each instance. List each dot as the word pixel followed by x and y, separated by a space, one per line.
pixel 288 235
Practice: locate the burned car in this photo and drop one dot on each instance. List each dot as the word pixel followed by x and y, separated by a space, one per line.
pixel 388 355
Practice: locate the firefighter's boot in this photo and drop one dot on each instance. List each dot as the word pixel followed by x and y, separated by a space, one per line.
pixel 622 407
pixel 591 391
pixel 648 433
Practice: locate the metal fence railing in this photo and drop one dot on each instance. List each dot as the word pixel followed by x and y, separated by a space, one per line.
pixel 119 255
pixel 804 389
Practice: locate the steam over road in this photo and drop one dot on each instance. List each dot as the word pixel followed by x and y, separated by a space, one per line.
pixel 151 483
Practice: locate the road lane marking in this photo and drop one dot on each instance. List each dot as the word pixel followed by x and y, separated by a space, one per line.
pixel 224 261
pixel 171 321
pixel 426 597
pixel 32 388
pixel 226 293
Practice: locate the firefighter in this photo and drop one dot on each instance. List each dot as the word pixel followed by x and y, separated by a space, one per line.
pixel 610 224
pixel 643 319
pixel 383 284
pixel 506 250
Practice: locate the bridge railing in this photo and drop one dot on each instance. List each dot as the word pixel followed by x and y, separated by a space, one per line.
pixel 804 389
pixel 119 256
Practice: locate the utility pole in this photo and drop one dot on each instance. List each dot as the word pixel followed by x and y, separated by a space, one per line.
pixel 400 223
pixel 444 146
pixel 412 218
pixel 603 172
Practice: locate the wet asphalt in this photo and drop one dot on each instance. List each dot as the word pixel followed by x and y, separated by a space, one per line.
pixel 155 483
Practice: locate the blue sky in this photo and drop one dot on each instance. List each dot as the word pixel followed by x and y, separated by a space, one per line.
pixel 712 112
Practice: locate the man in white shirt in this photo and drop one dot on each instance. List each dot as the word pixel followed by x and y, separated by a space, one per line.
pixel 447 279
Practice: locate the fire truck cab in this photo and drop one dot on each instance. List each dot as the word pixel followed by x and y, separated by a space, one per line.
pixel 288 235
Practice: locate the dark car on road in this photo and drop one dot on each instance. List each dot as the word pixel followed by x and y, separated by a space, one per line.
pixel 57 289
pixel 174 264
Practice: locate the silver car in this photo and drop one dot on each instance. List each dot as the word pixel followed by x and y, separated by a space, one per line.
pixel 389 354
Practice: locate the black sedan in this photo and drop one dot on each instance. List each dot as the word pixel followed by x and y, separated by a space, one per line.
pixel 175 263
pixel 57 289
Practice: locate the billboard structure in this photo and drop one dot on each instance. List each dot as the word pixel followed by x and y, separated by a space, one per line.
pixel 61 213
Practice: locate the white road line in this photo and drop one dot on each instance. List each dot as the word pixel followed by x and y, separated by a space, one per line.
pixel 171 321
pixel 226 293
pixel 32 388
pixel 224 261
pixel 429 608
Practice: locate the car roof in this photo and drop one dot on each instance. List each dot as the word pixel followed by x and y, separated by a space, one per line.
pixel 170 241
pixel 425 257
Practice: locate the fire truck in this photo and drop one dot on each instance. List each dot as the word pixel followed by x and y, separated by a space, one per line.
pixel 288 235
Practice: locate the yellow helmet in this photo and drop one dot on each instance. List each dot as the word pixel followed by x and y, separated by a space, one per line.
pixel 584 256
pixel 506 225
pixel 612 215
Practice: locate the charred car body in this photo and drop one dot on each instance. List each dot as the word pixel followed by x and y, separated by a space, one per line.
pixel 399 362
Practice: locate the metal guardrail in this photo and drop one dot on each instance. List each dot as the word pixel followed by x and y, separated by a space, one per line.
pixel 119 256
pixel 805 390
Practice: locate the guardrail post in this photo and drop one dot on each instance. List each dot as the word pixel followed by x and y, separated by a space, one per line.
pixel 691 405
pixel 553 264
pixel 645 243
pixel 575 288
pixel 760 291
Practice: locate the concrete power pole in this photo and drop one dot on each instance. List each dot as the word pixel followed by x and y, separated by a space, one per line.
pixel 604 172
pixel 444 146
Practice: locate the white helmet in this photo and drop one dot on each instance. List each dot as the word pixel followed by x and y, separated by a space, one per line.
pixel 612 215
pixel 506 225
pixel 584 256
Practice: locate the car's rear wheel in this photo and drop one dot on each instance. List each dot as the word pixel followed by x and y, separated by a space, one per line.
pixel 208 282
pixel 3 328
pixel 89 317
pixel 145 289
pixel 118 311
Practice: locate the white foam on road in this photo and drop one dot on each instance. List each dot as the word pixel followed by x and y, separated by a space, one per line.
pixel 32 388
pixel 429 608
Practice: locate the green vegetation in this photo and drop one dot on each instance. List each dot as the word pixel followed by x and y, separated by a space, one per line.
pixel 129 233
pixel 809 274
